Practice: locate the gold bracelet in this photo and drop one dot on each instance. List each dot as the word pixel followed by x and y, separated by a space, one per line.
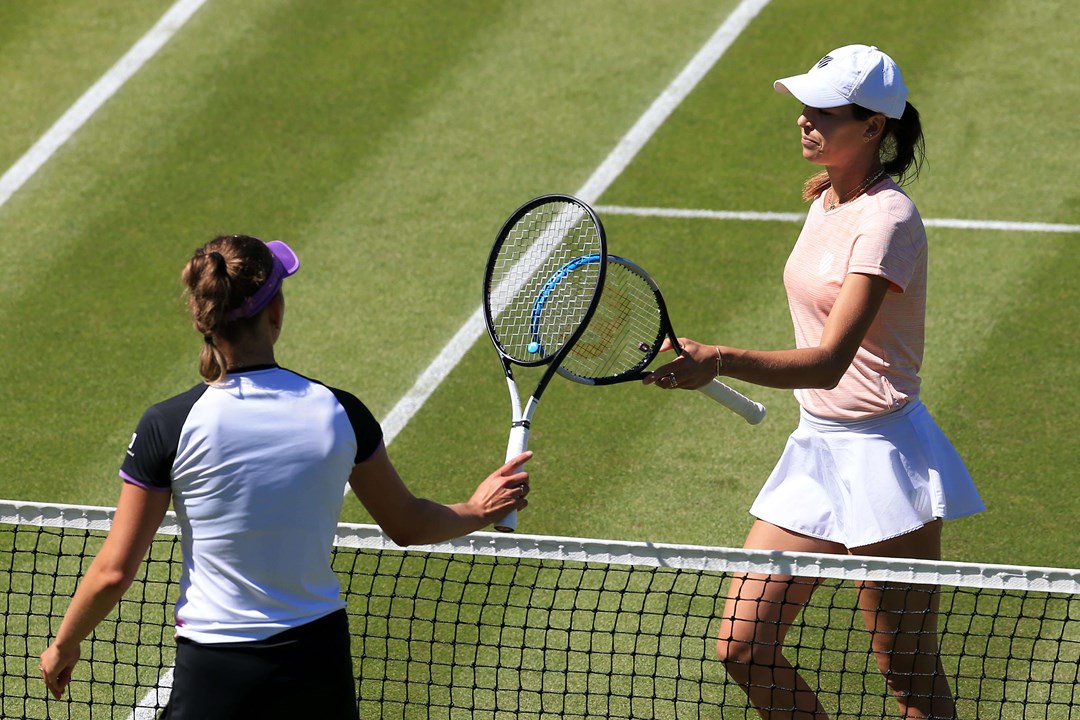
pixel 719 361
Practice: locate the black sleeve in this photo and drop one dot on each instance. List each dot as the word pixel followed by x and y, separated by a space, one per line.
pixel 369 434
pixel 152 450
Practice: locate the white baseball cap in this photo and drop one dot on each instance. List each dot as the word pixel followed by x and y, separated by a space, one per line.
pixel 854 74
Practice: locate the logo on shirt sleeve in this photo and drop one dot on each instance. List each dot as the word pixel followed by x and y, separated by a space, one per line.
pixel 132 444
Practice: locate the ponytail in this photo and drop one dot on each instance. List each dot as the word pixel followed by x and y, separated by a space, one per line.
pixel 815 185
pixel 903 150
pixel 217 279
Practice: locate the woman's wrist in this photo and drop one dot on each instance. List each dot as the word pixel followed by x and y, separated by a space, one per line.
pixel 719 361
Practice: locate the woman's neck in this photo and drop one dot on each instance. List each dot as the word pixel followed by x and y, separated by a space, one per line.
pixel 238 357
pixel 846 185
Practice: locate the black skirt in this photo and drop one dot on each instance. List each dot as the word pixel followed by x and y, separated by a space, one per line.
pixel 299 673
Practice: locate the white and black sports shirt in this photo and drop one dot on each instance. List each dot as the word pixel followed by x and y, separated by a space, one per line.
pixel 257 466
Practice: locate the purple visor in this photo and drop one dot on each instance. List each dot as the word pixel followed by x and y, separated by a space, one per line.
pixel 285 264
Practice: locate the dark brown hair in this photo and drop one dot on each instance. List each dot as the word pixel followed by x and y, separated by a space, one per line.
pixel 218 278
pixel 903 149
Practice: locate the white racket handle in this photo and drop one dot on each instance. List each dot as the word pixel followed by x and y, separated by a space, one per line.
pixel 519 441
pixel 751 411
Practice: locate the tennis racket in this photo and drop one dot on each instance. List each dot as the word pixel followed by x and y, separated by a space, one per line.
pixel 625 334
pixel 542 284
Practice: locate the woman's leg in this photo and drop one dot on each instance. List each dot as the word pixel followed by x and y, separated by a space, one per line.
pixel 757 615
pixel 902 620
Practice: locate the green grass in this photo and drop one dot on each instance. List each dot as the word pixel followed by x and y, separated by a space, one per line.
pixel 53 52
pixel 388 142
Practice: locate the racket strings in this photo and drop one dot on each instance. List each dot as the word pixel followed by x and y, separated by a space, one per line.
pixel 605 327
pixel 625 332
pixel 543 281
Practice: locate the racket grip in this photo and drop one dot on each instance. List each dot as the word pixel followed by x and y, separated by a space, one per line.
pixel 751 411
pixel 519 441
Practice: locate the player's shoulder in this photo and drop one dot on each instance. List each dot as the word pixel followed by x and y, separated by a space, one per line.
pixel 365 426
pixel 163 422
pixel 891 200
pixel 891 212
pixel 344 397
pixel 179 404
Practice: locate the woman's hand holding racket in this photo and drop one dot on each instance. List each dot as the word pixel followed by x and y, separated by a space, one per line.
pixel 503 491
pixel 694 368
pixel 629 328
pixel 697 367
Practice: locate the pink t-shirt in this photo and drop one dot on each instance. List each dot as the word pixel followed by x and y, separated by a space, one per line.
pixel 879 233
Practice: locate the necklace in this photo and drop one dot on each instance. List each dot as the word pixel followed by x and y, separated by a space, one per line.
pixel 833 204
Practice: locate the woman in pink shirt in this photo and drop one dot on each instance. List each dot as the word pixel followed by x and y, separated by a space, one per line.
pixel 867 471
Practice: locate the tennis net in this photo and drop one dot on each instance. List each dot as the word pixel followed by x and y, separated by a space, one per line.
pixel 518 626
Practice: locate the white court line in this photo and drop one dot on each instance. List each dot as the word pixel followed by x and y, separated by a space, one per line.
pixel 629 146
pixel 800 217
pixel 151 703
pixel 77 115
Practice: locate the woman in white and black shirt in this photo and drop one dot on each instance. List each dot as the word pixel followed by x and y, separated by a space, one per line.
pixel 254 461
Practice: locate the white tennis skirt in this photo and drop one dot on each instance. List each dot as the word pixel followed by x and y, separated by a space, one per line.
pixel 863 481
